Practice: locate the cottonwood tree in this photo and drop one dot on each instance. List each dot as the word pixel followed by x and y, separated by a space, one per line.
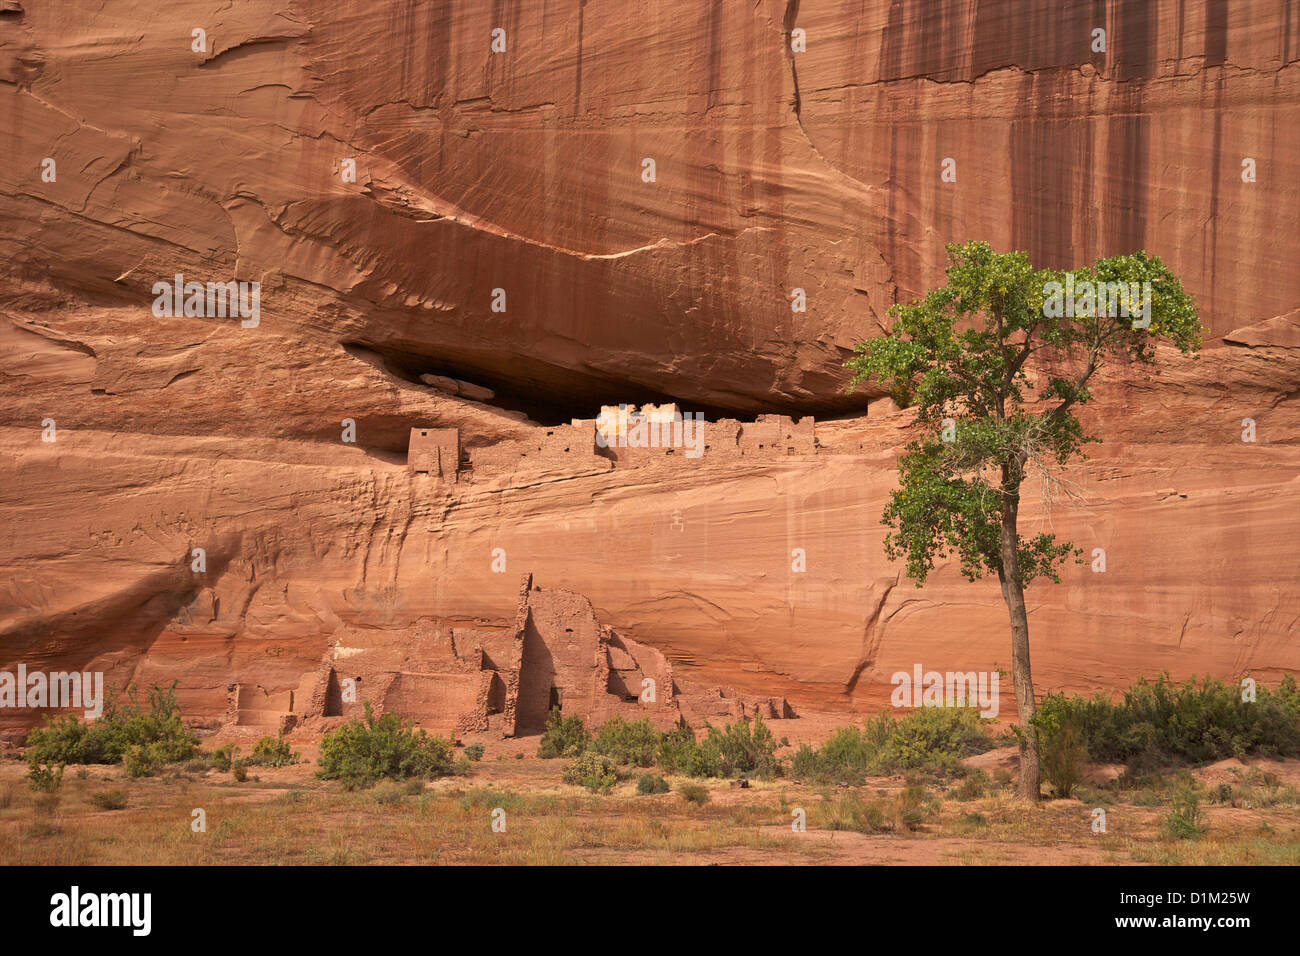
pixel 994 372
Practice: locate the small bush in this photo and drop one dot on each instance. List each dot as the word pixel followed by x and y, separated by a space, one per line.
pixel 413 787
pixel 387 793
pixel 694 793
pixel 1062 748
pixel 142 760
pixel 272 752
pixel 563 736
pixel 43 778
pixel 109 799
pixel 198 765
pixel 914 805
pixel 475 752
pixel 679 752
pixel 853 812
pixel 743 748
pixel 595 772
pixel 223 758
pixel 364 751
pixel 627 742
pixel 240 772
pixel 1185 819
pixel 650 783
pixel 973 787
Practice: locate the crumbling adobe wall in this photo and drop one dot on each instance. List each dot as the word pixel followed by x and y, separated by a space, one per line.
pixel 621 435
pixel 501 679
pixel 434 451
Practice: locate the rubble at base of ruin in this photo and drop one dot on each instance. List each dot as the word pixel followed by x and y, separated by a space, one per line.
pixel 495 678
pixel 622 436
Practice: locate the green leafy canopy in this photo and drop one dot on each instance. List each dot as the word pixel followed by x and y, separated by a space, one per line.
pixel 984 352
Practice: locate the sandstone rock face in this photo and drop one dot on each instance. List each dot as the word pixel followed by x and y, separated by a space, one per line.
pixel 503 233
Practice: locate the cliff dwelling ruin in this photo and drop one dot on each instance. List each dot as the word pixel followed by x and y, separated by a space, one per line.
pixel 500 679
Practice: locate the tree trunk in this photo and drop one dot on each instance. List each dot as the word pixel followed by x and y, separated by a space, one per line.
pixel 1027 788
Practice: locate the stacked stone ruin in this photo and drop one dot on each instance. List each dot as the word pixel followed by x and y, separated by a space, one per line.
pixel 500 679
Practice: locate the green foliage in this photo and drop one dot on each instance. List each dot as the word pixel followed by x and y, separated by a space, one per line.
pixel 1062 748
pixel 1159 723
pixel 123 725
pixel 591 770
pixel 694 793
pixel 853 812
pixel 985 352
pixel 240 772
pixel 364 751
pixel 109 799
pixel 272 752
pixel 907 810
pixel 627 742
pixel 563 736
pixel 43 778
pixel 475 752
pixel 929 738
pixel 679 753
pixel 223 758
pixel 1185 821
pixel 651 783
pixel 975 785
pixel 143 760
pixel 743 748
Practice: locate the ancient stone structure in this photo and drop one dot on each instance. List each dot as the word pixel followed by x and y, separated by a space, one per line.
pixel 434 451
pixel 622 434
pixel 503 679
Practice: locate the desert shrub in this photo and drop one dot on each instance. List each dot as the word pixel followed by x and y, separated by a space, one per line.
pixel 591 770
pixel 486 797
pixel 1062 748
pixel 914 805
pixel 1159 723
pixel 743 748
pixel 223 758
pixel 932 738
pixel 563 736
pixel 627 742
pixel 109 799
pixel 929 738
pixel 197 764
pixel 679 752
pixel 1185 819
pixel 44 778
pixel 475 752
pixel 973 787
pixel 413 787
pixel 387 793
pixel 124 724
pixel 272 752
pixel 239 772
pixel 364 751
pixel 853 812
pixel 847 756
pixel 650 783
pixel 694 793
pixel 143 760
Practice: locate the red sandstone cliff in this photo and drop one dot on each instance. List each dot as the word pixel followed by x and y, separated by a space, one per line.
pixel 522 171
